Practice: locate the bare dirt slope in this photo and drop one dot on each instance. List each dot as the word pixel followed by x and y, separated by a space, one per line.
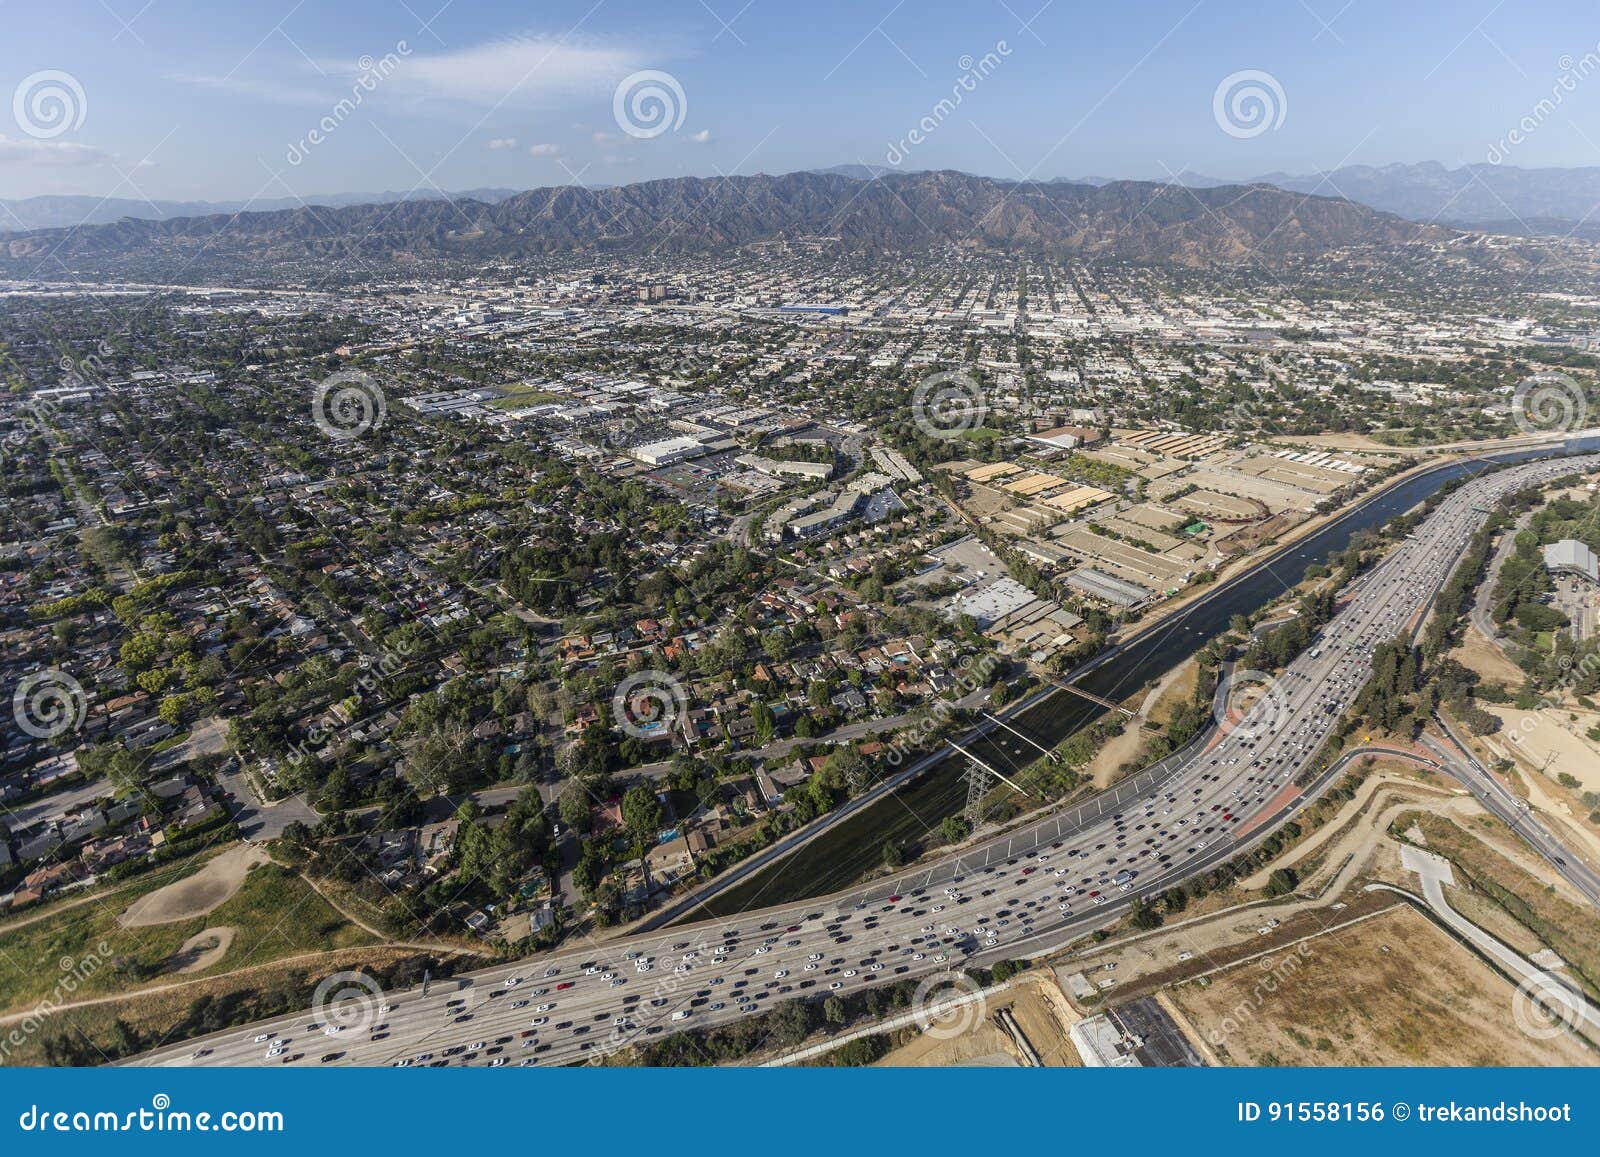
pixel 195 895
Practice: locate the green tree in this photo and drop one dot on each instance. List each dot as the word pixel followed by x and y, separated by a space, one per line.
pixel 1281 882
pixel 954 829
pixel 641 811
pixel 766 723
pixel 573 806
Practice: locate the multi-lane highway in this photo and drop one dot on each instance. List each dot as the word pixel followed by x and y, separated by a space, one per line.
pixel 1015 896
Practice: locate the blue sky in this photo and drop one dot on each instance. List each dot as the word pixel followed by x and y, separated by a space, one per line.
pixel 177 99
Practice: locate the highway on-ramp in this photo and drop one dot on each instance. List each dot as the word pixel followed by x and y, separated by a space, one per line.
pixel 1018 895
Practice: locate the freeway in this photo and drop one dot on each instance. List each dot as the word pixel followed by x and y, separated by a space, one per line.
pixel 1503 803
pixel 1017 895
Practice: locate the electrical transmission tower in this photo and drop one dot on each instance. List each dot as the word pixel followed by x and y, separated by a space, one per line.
pixel 980 778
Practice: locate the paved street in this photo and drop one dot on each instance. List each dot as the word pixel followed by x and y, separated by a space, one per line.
pixel 1565 1001
pixel 1502 802
pixel 1483 598
pixel 1020 895
pixel 262 821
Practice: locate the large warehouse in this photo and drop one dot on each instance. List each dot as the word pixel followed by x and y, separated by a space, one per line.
pixel 1569 556
pixel 668 451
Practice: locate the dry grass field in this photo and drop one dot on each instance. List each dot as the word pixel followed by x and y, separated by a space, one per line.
pixel 1393 990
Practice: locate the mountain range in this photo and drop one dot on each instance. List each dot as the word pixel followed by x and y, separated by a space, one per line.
pixel 1476 195
pixel 1486 197
pixel 1498 198
pixel 1133 220
pixel 65 212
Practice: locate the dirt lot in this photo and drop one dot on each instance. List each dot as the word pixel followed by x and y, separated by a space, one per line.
pixel 1482 656
pixel 207 889
pixel 1045 1017
pixel 1345 442
pixel 1158 704
pixel 1247 538
pixel 1360 998
pixel 203 949
pixel 1550 736
pixel 1041 1011
pixel 983 1045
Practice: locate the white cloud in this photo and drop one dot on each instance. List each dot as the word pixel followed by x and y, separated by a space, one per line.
pixel 519 70
pixel 701 137
pixel 503 143
pixel 50 154
pixel 544 150
pixel 271 91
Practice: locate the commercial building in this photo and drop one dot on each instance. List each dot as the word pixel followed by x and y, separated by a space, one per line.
pixel 816 471
pixel 994 602
pixel 668 450
pixel 1107 588
pixel 840 512
pixel 1569 556
pixel 829 309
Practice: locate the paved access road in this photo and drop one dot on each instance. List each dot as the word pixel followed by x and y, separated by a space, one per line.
pixel 1502 802
pixel 1015 896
